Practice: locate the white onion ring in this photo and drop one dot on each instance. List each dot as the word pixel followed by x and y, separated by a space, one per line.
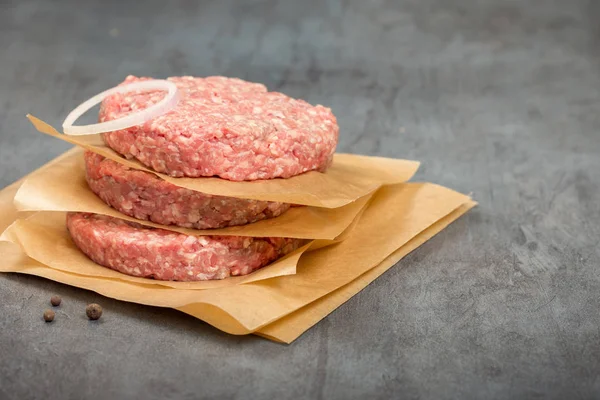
pixel 136 118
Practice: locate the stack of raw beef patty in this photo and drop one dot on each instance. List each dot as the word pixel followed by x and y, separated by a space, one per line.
pixel 221 127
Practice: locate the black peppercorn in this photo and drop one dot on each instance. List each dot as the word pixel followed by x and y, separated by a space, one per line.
pixel 48 315
pixel 93 311
pixel 55 301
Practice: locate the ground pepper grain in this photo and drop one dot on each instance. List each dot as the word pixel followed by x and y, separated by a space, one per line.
pixel 55 301
pixel 93 311
pixel 49 315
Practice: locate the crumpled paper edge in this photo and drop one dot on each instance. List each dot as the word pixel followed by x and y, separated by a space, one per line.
pixel 244 189
pixel 292 326
pixel 211 314
pixel 38 194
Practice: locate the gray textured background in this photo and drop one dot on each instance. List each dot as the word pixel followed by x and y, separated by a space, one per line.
pixel 496 97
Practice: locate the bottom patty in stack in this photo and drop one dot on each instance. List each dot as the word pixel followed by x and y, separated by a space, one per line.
pixel 146 252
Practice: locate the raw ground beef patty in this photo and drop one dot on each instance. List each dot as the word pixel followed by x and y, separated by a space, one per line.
pixel 145 196
pixel 165 255
pixel 224 127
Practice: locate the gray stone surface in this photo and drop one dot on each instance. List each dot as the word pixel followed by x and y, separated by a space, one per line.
pixel 495 97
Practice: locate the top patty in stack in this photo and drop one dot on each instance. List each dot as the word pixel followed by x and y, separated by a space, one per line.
pixel 224 127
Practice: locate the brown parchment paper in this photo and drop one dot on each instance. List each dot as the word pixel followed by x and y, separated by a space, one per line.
pixel 61 186
pixel 290 327
pixel 8 211
pixel 395 216
pixel 349 178
pixel 44 237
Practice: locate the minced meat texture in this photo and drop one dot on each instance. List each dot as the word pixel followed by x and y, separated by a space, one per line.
pixel 144 196
pixel 165 255
pixel 224 127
